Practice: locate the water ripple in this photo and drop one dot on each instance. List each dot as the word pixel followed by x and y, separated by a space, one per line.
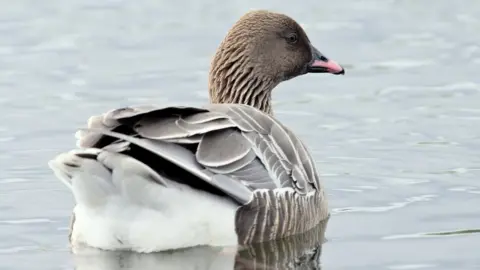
pixel 411 266
pixel 433 234
pixel 18 249
pixel 26 221
pixel 390 207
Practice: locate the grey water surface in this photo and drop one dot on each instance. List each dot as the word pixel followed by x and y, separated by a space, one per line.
pixel 396 140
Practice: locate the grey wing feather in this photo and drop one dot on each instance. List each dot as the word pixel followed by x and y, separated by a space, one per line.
pixel 224 147
pixel 238 149
pixel 274 144
pixel 184 159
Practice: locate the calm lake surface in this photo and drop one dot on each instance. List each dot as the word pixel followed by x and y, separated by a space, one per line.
pixel 397 140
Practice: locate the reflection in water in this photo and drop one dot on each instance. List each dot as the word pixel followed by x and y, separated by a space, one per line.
pixel 295 252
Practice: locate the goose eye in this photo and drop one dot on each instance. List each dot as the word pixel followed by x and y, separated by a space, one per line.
pixel 292 38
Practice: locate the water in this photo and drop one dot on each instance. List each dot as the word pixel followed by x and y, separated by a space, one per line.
pixel 396 139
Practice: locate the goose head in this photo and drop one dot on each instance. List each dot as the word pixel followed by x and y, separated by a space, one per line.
pixel 261 50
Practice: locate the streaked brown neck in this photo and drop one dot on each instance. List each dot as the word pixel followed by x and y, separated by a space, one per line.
pixel 233 80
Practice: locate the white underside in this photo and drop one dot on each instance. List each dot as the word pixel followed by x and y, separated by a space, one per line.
pixel 186 219
pixel 120 207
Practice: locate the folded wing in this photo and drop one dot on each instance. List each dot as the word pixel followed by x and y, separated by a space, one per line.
pixel 230 149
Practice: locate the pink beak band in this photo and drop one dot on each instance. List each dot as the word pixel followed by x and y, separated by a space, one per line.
pixel 321 64
pixel 329 66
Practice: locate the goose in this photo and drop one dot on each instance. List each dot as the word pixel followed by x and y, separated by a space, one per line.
pixel 153 178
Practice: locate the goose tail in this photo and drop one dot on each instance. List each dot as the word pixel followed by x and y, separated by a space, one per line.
pixel 90 181
pixel 95 175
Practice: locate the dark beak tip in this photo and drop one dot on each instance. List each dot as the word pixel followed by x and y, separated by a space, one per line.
pixel 340 73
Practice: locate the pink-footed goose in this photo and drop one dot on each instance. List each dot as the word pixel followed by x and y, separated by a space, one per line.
pixel 153 178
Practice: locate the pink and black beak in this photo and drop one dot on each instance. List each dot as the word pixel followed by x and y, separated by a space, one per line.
pixel 321 64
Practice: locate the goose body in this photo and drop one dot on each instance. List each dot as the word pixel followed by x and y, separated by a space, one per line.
pixel 151 178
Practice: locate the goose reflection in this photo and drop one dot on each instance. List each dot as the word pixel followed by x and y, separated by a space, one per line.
pixel 295 252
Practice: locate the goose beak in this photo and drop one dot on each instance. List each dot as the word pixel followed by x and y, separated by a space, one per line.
pixel 321 64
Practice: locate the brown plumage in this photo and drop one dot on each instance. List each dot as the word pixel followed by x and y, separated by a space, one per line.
pixel 258 53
